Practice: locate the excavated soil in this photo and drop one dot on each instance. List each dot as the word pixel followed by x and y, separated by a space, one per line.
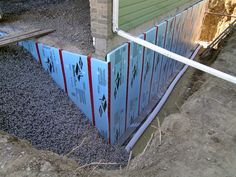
pixel 70 19
pixel 32 107
pixel 213 25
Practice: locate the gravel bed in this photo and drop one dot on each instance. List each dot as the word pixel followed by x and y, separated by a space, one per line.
pixel 33 107
pixel 70 19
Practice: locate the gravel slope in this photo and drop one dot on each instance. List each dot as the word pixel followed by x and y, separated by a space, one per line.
pixel 32 107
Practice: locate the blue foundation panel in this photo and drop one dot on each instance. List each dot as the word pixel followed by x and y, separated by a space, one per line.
pixel 188 29
pixel 77 81
pixel 164 65
pixel 135 67
pixel 51 63
pixel 147 70
pixel 2 34
pixel 100 94
pixel 168 46
pixel 184 33
pixel 30 46
pixel 181 39
pixel 156 83
pixel 195 19
pixel 177 31
pixel 191 42
pixel 118 59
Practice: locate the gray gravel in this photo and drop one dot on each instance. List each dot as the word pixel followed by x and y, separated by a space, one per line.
pixel 70 19
pixel 32 107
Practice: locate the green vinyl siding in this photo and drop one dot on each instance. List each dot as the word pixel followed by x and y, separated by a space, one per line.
pixel 135 12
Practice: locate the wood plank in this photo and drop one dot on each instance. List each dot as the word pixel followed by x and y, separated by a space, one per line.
pixel 13 35
pixel 20 37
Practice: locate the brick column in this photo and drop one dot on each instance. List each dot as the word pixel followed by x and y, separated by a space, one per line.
pixel 101 25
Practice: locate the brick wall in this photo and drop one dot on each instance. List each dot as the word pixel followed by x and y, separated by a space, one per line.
pixel 101 24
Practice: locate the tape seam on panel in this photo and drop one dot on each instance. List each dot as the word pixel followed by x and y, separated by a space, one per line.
pixel 91 89
pixel 37 49
pixel 127 86
pixel 140 89
pixel 109 102
pixel 63 71
pixel 154 58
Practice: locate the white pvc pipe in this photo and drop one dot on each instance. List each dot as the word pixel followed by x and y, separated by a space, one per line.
pixel 177 57
pixel 157 109
pixel 115 15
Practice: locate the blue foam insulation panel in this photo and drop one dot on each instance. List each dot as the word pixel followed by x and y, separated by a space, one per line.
pixel 195 24
pixel 148 59
pixel 168 46
pixel 100 95
pixel 118 59
pixel 162 36
pixel 30 46
pixel 114 93
pixel 192 21
pixel 51 63
pixel 156 81
pixel 185 33
pixel 134 77
pixel 171 67
pixel 181 40
pixel 76 72
pixel 165 60
pixel 2 34
pixel 187 47
pixel 177 31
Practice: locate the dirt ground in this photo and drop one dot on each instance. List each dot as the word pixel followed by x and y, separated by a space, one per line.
pixel 214 25
pixel 70 19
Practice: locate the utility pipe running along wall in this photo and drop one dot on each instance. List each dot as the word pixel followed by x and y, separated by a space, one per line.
pixel 165 52
pixel 177 57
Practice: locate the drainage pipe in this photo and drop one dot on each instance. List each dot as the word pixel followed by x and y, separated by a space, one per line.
pixel 177 57
pixel 157 109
